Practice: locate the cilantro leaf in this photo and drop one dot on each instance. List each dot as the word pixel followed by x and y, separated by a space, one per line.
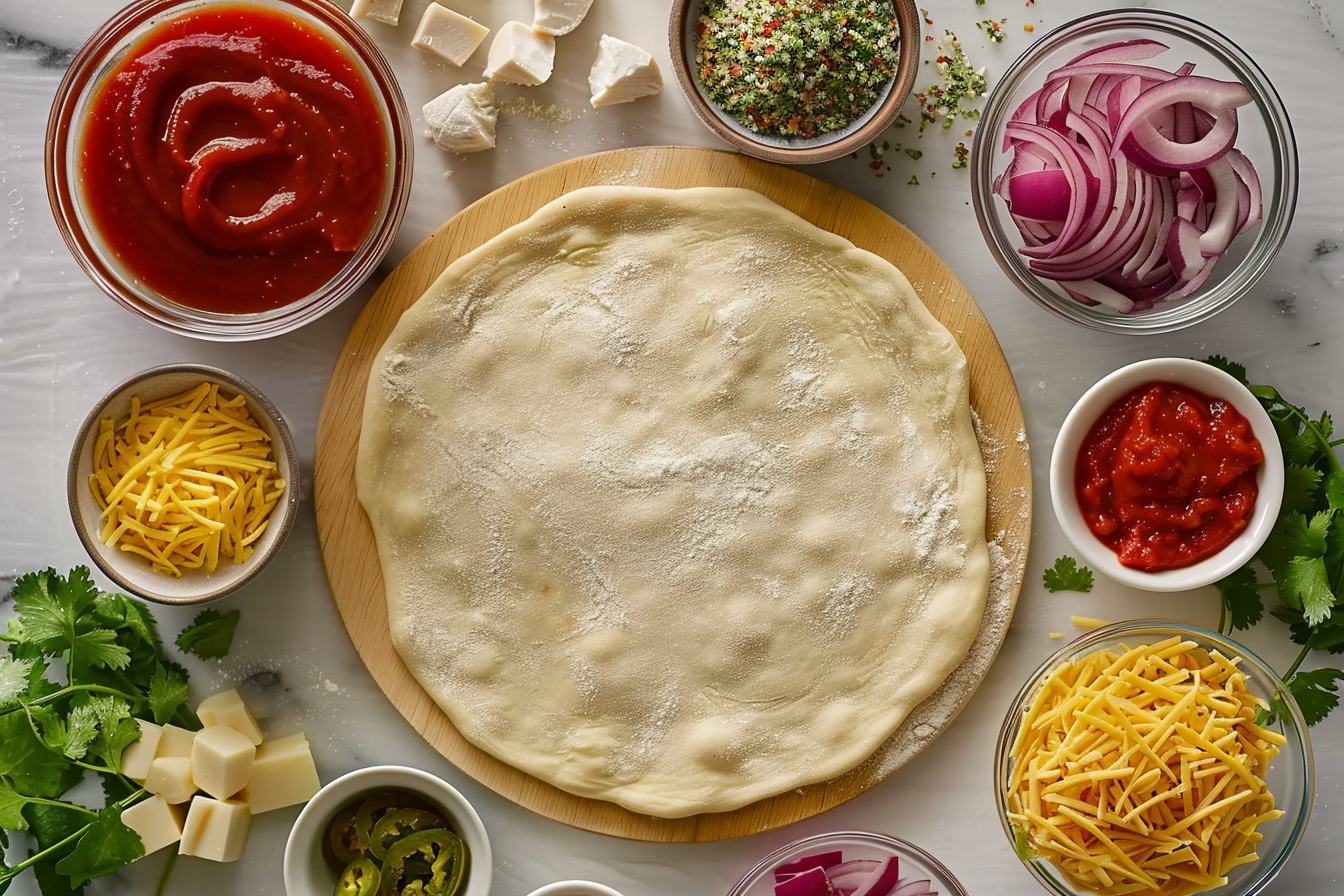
pixel 1241 600
pixel 1231 368
pixel 210 634
pixel 99 649
pixel 13 680
pixel 1316 692
pixel 1305 584
pixel 28 763
pixel 106 846
pixel 1067 575
pixel 167 692
pixel 1299 488
pixel 50 607
pixel 11 808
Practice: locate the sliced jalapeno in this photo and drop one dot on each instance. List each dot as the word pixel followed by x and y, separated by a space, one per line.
pixel 397 824
pixel 340 848
pixel 359 878
pixel 445 854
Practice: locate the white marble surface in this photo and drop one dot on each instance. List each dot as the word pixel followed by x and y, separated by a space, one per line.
pixel 62 344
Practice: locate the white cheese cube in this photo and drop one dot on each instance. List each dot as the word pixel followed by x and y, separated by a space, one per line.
pixel 175 741
pixel 170 777
pixel 462 119
pixel 283 774
pixel 388 11
pixel 448 34
pixel 215 829
pixel 136 758
pixel 221 761
pixel 158 822
pixel 228 708
pixel 558 16
pixel 520 55
pixel 622 72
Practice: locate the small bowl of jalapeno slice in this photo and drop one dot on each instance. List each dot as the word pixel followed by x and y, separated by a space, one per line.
pixel 387 830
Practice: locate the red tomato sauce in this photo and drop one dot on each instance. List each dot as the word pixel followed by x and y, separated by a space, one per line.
pixel 234 160
pixel 1166 476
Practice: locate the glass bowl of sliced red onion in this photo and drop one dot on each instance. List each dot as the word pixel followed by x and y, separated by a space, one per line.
pixel 1134 171
pixel 848 863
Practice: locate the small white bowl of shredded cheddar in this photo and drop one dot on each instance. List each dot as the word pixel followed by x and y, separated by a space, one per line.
pixel 1154 757
pixel 182 483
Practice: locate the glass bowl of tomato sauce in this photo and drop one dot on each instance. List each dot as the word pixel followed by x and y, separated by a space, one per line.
pixel 229 170
pixel 1167 475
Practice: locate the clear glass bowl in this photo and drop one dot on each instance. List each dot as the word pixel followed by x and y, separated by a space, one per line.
pixel 914 863
pixel 1289 777
pixel 65 137
pixel 1265 136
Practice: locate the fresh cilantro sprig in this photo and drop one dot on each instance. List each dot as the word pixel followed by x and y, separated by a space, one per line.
pixel 1067 575
pixel 83 665
pixel 1304 553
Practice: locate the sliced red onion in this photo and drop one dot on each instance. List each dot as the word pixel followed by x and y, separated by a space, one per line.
pixel 1218 98
pixel 1041 195
pixel 1135 50
pixel 1125 184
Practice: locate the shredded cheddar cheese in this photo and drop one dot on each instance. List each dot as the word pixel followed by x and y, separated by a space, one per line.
pixel 1142 771
pixel 185 481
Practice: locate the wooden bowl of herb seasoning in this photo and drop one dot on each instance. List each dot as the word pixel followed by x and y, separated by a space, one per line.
pixel 796 81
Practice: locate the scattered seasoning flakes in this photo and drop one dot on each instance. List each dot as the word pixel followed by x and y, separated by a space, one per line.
pixel 796 67
pixel 915 154
pixel 959 154
pixel 962 82
pixel 876 151
pixel 914 180
pixel 535 111
pixel 993 30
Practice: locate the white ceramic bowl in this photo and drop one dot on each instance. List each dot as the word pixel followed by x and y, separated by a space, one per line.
pixel 574 888
pixel 307 872
pixel 134 573
pixel 1110 389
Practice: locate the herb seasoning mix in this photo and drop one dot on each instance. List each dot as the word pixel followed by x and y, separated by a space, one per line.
pixel 796 68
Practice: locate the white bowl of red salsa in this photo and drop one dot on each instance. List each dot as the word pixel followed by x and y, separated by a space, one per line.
pixel 1167 475
pixel 229 170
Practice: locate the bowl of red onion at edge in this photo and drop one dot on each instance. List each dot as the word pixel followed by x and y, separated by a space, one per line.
pixel 875 864
pixel 1116 45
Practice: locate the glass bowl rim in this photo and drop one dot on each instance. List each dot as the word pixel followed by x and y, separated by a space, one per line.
pixel 1267 867
pixel 85 75
pixel 895 845
pixel 1279 203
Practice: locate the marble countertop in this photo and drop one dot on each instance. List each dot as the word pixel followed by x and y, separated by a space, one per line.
pixel 62 344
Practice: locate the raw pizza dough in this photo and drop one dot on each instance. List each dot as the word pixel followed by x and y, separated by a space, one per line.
pixel 677 498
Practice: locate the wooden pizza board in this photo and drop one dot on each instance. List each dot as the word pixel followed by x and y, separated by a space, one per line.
pixel 350 555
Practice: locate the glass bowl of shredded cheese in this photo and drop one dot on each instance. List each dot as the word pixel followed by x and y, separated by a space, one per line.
pixel 1154 757
pixel 182 483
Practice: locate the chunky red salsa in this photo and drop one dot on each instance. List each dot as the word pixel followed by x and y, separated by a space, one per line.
pixel 1166 477
pixel 234 160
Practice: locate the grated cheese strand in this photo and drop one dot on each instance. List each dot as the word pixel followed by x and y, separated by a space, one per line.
pixel 185 481
pixel 1143 771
